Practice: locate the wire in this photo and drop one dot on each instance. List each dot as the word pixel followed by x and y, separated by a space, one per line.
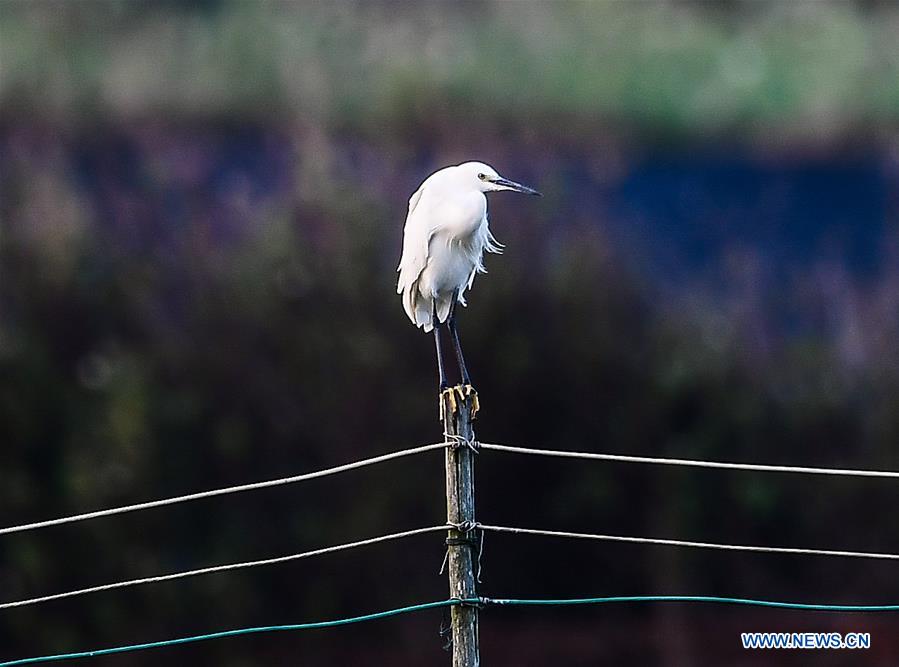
pixel 450 603
pixel 219 568
pixel 221 492
pixel 424 448
pixel 682 543
pixel 847 472
pixel 693 598
pixel 236 633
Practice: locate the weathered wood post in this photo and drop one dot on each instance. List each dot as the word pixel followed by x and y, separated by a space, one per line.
pixel 458 408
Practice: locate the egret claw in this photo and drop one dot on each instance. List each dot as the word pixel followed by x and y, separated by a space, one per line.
pixel 457 396
pixel 448 395
pixel 475 403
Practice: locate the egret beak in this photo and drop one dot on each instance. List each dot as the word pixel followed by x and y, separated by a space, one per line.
pixel 516 187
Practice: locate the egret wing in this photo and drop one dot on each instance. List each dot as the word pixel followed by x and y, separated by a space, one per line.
pixel 416 237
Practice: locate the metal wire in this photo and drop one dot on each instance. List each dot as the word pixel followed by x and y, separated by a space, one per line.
pixel 220 568
pixel 221 492
pixel 684 543
pixel 621 458
pixel 481 602
pixel 451 602
pixel 693 598
pixel 235 633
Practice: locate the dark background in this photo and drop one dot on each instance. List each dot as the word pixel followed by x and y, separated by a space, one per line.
pixel 202 209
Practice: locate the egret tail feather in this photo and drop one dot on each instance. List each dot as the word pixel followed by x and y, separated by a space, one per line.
pixel 419 309
pixel 443 308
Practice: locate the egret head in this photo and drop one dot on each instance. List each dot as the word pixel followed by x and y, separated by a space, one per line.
pixel 483 177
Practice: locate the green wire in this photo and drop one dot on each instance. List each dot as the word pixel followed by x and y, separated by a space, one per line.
pixel 450 603
pixel 232 633
pixel 693 598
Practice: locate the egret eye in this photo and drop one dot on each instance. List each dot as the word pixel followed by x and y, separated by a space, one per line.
pixel 483 177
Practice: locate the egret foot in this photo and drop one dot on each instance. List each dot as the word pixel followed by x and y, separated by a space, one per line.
pixel 453 397
pixel 446 399
pixel 467 391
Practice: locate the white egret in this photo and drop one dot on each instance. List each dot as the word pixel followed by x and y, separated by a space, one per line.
pixel 444 241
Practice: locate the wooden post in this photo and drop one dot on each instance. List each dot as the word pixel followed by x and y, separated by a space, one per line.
pixel 457 411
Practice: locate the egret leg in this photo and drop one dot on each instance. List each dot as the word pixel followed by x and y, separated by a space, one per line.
pixel 441 369
pixel 466 391
pixel 457 345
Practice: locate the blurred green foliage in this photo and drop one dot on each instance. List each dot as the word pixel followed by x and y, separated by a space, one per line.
pixel 798 67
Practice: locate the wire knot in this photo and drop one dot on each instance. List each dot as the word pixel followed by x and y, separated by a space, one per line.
pixel 465 526
pixel 477 603
pixel 456 441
